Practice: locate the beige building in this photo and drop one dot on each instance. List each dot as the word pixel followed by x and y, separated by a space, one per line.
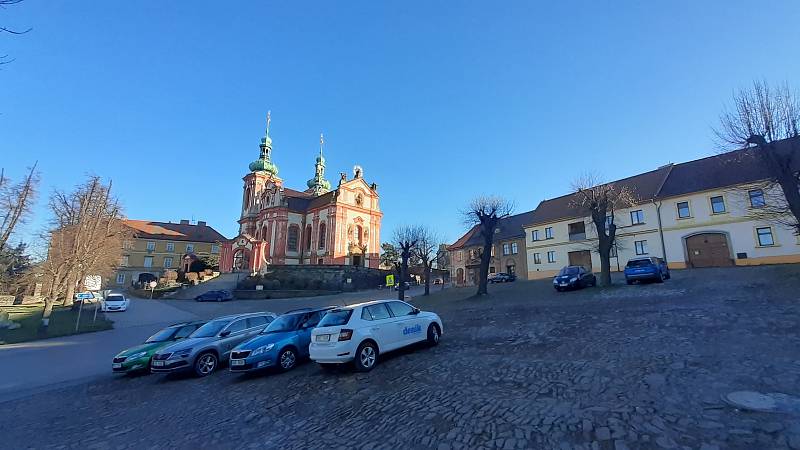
pixel 158 247
pixel 702 213
pixel 508 252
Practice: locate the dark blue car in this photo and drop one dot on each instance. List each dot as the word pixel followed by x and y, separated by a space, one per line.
pixel 214 296
pixel 646 269
pixel 282 344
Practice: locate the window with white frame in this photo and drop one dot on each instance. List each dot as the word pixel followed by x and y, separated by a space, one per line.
pixel 683 210
pixel 170 246
pixel 765 238
pixel 167 262
pixel 613 251
pixel 641 247
pixel 537 258
pixel 148 261
pixel 151 246
pixel 717 205
pixel 637 217
pixel 506 249
pixel 514 248
pixel 609 220
pixel 214 248
pixel 535 235
pixel 548 233
pixel 189 248
pixel 120 278
pixel 125 260
pixel 551 256
pixel 757 198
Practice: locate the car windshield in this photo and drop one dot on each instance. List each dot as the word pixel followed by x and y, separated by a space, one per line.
pixel 115 298
pixel 639 263
pixel 336 317
pixel 568 271
pixel 286 322
pixel 210 329
pixel 162 336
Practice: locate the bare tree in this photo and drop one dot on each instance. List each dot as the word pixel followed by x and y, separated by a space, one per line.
pixel 485 212
pixel 600 201
pixel 405 241
pixel 3 29
pixel 762 117
pixel 86 238
pixel 426 252
pixel 16 200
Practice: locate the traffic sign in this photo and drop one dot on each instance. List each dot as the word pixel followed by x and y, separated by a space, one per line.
pixel 389 280
pixel 84 295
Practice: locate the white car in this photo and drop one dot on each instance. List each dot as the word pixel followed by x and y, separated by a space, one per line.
pixel 115 302
pixel 359 333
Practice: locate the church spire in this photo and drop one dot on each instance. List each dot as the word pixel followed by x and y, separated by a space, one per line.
pixel 264 162
pixel 319 185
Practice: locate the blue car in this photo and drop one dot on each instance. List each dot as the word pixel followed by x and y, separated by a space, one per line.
pixel 646 269
pixel 282 344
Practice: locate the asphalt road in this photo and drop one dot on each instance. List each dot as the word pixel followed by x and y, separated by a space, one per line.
pixel 50 363
pixel 60 362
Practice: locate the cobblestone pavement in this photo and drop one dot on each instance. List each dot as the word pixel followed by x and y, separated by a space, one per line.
pixel 630 367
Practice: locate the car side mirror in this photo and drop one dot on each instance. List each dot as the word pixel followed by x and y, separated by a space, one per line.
pixel 415 311
pixel 225 333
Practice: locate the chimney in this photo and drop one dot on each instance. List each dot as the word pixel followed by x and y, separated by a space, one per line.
pixel 201 223
pixel 184 222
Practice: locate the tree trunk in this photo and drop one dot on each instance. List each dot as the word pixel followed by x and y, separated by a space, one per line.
pixel 483 276
pixel 427 279
pixel 69 295
pixel 401 291
pixel 605 271
pixel 48 310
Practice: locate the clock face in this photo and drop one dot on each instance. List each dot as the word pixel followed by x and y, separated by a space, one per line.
pixel 242 242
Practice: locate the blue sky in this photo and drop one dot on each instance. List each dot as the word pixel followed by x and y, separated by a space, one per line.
pixel 438 101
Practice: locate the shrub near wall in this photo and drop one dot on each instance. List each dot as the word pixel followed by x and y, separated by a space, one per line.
pixel 313 277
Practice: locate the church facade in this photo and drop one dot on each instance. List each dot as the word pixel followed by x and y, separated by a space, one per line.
pixel 319 225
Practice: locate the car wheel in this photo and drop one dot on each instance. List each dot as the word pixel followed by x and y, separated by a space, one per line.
pixel 660 278
pixel 205 364
pixel 287 359
pixel 434 334
pixel 366 356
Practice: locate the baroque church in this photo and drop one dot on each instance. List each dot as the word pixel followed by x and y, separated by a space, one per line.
pixel 318 225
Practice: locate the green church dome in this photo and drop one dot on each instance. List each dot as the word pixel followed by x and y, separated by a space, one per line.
pixel 263 165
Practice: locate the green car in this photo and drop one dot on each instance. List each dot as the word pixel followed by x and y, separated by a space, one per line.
pixel 137 358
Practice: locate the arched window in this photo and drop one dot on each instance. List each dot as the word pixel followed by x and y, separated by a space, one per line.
pixel 247 198
pixel 291 240
pixel 307 238
pixel 321 244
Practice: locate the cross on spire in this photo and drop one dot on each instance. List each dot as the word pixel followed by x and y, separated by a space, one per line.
pixel 269 119
pixel 321 142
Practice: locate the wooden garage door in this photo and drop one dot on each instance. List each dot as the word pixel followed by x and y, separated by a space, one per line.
pixel 708 250
pixel 581 258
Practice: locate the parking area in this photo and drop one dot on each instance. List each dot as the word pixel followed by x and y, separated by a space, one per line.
pixel 629 367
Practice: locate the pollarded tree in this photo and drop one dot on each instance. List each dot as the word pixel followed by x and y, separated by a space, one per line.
pixel 16 200
pixel 405 241
pixel 485 212
pixel 427 251
pixel 600 201
pixel 768 119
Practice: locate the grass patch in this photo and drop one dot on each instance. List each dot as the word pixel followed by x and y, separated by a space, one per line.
pixel 62 323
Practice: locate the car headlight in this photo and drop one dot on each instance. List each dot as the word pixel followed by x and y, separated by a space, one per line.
pixel 555 281
pixel 573 279
pixel 262 349
pixel 137 355
pixel 181 354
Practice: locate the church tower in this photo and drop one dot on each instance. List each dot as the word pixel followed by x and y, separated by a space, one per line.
pixel 262 179
pixel 319 185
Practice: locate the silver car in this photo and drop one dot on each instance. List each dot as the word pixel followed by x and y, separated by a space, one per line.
pixel 202 351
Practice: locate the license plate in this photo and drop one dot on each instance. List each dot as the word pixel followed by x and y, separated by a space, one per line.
pixel 563 284
pixel 323 338
pixel 237 362
pixel 116 365
pixel 158 363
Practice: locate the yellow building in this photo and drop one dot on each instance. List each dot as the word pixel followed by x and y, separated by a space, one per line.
pixel 158 247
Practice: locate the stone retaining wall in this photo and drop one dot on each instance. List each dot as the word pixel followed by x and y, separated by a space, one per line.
pixel 315 278
pixel 247 294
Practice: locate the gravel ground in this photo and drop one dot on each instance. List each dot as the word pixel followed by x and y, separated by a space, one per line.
pixel 629 367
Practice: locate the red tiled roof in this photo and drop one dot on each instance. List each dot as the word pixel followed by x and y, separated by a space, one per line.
pixel 146 229
pixel 463 239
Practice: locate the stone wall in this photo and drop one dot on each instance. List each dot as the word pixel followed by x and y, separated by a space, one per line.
pixel 316 277
pixel 249 294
